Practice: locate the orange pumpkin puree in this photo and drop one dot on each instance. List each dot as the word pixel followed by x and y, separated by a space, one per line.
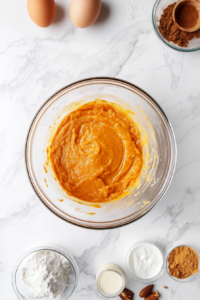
pixel 96 152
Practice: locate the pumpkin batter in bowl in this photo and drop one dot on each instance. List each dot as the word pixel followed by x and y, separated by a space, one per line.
pixel 96 152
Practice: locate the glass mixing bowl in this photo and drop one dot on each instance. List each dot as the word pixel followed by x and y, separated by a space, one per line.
pixel 22 290
pixel 161 149
pixel 158 8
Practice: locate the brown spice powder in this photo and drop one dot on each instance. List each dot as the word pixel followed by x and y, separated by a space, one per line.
pixel 183 262
pixel 186 15
pixel 170 30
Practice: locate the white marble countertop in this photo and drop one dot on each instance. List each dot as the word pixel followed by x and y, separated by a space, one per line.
pixel 35 63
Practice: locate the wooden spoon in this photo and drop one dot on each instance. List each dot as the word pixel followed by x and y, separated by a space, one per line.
pixel 196 4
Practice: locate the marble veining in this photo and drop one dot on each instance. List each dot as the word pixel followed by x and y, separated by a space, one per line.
pixel 34 64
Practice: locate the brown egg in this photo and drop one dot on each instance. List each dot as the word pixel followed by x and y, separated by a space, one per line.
pixel 84 12
pixel 42 12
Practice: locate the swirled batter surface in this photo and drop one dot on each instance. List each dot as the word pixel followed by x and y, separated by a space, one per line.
pixel 96 152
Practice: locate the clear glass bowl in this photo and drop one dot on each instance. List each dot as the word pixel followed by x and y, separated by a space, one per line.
pixel 158 8
pixel 188 279
pixel 21 289
pixel 161 166
pixel 149 280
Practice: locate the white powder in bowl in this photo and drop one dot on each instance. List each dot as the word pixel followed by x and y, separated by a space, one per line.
pixel 46 273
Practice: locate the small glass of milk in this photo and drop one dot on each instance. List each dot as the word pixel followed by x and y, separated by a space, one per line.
pixel 110 281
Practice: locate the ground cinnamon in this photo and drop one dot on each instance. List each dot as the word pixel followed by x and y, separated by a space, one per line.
pixel 183 262
pixel 186 15
pixel 170 30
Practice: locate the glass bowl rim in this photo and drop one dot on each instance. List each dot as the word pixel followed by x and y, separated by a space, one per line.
pixel 113 295
pixel 160 35
pixel 56 249
pixel 170 173
pixel 147 280
pixel 190 278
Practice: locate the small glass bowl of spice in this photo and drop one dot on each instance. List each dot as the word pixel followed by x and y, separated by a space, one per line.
pixel 183 264
pixel 169 32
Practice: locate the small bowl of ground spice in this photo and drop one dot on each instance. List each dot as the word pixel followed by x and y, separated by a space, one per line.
pixel 183 264
pixel 169 32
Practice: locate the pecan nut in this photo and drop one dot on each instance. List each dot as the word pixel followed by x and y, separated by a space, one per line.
pixel 126 295
pixel 152 296
pixel 146 291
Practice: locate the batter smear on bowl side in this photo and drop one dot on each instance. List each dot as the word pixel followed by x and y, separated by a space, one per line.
pixel 96 152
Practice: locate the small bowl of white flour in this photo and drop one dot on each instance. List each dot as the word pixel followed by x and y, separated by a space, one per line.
pixel 45 273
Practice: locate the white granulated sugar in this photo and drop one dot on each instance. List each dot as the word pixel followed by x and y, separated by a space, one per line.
pixel 46 273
